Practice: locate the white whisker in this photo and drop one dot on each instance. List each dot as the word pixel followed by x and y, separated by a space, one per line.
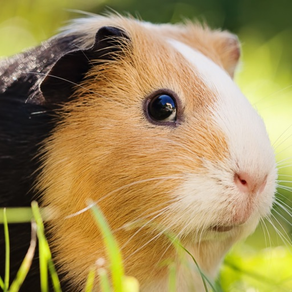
pixel 285 198
pixel 283 208
pixel 267 237
pixel 281 162
pixel 160 233
pixel 280 137
pixel 284 237
pixel 178 177
pixel 284 181
pixel 286 188
pixel 146 224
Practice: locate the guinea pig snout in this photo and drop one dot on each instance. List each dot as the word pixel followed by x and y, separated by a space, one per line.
pixel 248 183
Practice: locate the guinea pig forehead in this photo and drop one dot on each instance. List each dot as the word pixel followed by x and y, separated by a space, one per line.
pixel 215 80
pixel 161 66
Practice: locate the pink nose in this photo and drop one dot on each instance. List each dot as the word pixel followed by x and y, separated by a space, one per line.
pixel 247 183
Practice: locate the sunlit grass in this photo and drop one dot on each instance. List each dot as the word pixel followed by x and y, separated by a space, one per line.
pixel 5 284
pixel 112 249
pixel 26 263
pixel 118 282
pixel 245 269
pixel 111 275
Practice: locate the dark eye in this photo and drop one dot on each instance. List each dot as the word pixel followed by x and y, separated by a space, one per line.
pixel 162 108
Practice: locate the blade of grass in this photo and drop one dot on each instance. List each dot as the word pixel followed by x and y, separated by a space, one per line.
pixel 90 280
pixel 203 276
pixel 179 248
pixel 53 273
pixel 7 251
pixel 23 214
pixel 112 249
pixel 46 262
pixel 26 263
pixel 42 248
pixel 130 284
pixel 17 215
pixel 251 274
pixel 104 280
pixel 1 284
pixel 172 277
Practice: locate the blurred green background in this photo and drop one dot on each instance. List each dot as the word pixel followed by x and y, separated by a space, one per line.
pixel 264 261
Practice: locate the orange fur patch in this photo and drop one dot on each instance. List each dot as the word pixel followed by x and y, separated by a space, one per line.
pixel 107 151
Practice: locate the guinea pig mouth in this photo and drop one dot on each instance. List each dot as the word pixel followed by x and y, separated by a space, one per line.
pixel 221 228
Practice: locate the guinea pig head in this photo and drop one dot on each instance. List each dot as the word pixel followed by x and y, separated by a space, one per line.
pixel 161 138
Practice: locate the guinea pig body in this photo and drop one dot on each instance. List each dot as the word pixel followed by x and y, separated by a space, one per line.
pixel 145 121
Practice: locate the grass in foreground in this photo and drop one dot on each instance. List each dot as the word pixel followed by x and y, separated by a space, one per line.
pixel 120 282
pixel 239 273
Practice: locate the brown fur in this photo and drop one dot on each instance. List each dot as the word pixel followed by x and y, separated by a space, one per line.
pixel 105 150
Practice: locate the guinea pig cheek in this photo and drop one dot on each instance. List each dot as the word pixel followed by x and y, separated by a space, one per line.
pixel 240 189
pixel 213 202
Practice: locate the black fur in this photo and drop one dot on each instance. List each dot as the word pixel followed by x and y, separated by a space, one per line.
pixel 32 85
pixel 25 121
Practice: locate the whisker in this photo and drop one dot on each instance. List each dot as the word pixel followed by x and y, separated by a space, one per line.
pixel 285 149
pixel 188 149
pixel 178 177
pixel 284 197
pixel 148 242
pixel 280 137
pixel 284 166
pixel 176 237
pixel 283 217
pixel 284 239
pixel 286 175
pixel 143 226
pixel 171 242
pixel 266 232
pixel 284 181
pixel 76 85
pixel 280 163
pixel 81 211
pixel 268 97
pixel 284 206
pixel 124 187
pixel 60 78
pixel 286 188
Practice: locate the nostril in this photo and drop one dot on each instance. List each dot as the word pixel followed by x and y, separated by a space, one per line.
pixel 241 181
pixel 247 183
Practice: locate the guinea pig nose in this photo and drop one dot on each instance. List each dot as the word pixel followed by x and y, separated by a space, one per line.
pixel 247 183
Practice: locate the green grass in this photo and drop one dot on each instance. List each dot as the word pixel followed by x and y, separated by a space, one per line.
pixel 242 270
pixel 25 266
pixel 7 253
pixel 119 283
pixel 111 279
pixel 112 250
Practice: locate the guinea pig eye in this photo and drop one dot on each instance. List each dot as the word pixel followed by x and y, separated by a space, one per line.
pixel 162 108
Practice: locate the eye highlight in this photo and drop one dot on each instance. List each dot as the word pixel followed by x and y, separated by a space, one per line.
pixel 161 107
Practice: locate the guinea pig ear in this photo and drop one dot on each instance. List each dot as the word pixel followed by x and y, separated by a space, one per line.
pixel 69 70
pixel 228 49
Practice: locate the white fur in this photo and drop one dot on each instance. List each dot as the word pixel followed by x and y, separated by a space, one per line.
pixel 249 150
pixel 248 143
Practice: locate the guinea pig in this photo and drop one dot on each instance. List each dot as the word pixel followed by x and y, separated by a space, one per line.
pixel 146 121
